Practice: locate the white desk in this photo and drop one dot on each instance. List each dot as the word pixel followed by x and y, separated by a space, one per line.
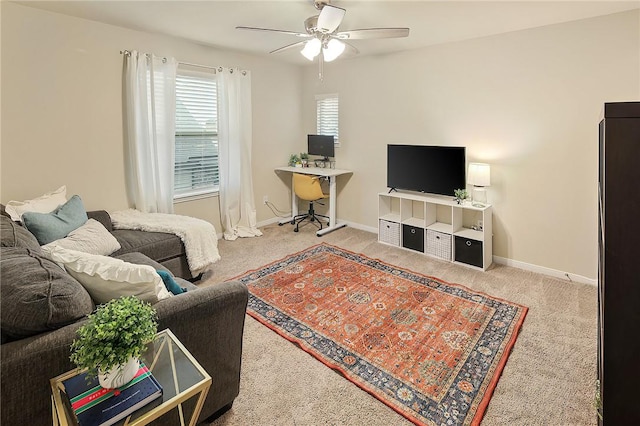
pixel 316 171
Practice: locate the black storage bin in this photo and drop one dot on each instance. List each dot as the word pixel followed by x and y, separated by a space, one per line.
pixel 413 238
pixel 468 251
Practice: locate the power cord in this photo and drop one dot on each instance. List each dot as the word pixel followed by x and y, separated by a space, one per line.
pixel 277 212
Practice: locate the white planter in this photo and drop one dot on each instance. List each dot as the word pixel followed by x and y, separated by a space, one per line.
pixel 119 375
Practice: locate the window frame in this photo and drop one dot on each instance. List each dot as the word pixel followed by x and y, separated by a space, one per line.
pixel 206 192
pixel 322 97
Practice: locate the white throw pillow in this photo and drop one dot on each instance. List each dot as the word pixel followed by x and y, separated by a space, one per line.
pixel 106 278
pixel 44 204
pixel 92 238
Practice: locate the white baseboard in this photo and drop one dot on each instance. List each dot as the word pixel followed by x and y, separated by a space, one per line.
pixel 360 226
pixel 268 222
pixel 349 224
pixel 497 259
pixel 545 271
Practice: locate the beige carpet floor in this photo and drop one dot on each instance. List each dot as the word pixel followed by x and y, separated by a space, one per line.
pixel 548 379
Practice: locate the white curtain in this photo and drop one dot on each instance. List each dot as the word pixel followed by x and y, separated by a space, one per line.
pixel 238 210
pixel 150 106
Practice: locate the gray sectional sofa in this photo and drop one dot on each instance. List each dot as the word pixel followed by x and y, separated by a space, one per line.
pixel 42 307
pixel 166 249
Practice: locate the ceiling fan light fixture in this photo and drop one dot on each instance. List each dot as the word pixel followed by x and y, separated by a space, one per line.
pixel 311 48
pixel 333 49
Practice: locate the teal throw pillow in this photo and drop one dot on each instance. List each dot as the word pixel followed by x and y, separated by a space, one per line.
pixel 48 227
pixel 170 283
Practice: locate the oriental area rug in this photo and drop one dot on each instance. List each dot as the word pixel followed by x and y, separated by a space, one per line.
pixel 431 350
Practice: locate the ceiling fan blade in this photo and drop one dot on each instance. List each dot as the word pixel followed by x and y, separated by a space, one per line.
pixel 289 46
pixel 373 33
pixel 352 49
pixel 330 18
pixel 297 34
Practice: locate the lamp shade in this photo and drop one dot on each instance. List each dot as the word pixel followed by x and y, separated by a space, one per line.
pixel 311 48
pixel 333 50
pixel 479 174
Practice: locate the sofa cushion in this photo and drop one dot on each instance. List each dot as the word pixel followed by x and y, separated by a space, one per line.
pixel 92 238
pixel 48 227
pixel 3 211
pixel 43 204
pixel 36 295
pixel 107 278
pixel 141 259
pixel 170 283
pixel 156 245
pixel 12 234
pixel 103 217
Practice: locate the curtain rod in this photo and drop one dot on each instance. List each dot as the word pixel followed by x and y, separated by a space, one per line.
pixel 128 52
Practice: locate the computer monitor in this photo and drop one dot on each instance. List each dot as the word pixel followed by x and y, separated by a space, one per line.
pixel 322 145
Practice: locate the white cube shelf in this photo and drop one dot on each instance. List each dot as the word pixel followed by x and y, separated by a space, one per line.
pixel 442 219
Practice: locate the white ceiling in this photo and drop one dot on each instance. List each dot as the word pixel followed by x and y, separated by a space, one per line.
pixel 431 22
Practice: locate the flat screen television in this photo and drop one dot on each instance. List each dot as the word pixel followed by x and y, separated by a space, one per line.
pixel 424 168
pixel 321 145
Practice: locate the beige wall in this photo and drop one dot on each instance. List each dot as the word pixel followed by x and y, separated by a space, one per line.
pixel 62 109
pixel 526 102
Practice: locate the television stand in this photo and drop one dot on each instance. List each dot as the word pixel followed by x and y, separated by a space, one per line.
pixel 437 226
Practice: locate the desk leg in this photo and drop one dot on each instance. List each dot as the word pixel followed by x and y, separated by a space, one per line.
pixel 332 201
pixel 333 225
pixel 294 206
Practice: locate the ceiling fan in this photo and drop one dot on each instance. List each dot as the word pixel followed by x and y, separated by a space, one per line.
pixel 322 37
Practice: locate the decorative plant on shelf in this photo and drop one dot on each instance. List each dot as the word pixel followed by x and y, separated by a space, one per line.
pixel 111 342
pixel 293 160
pixel 461 195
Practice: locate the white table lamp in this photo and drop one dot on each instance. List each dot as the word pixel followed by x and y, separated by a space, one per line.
pixel 480 177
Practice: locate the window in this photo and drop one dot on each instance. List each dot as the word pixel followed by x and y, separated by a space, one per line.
pixel 327 115
pixel 196 154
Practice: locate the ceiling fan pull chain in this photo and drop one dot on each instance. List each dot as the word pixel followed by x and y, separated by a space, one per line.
pixel 321 66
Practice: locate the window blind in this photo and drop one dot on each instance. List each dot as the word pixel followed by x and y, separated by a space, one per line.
pixel 196 152
pixel 327 115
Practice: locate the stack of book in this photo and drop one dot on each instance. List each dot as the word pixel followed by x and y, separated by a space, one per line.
pixel 93 405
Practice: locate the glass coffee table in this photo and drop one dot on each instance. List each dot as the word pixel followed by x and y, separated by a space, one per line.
pixel 177 371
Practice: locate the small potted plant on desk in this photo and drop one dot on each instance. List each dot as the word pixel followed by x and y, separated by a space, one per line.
pixel 294 160
pixel 113 340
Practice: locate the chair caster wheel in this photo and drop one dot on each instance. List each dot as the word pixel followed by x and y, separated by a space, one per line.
pixel 280 224
pixel 293 222
pixel 295 230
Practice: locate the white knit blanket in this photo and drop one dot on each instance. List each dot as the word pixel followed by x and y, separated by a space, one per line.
pixel 198 236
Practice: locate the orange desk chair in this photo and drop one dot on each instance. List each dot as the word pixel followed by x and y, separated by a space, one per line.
pixel 307 187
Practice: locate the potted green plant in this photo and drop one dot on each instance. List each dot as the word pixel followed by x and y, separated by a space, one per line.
pixel 293 160
pixel 110 343
pixel 461 195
